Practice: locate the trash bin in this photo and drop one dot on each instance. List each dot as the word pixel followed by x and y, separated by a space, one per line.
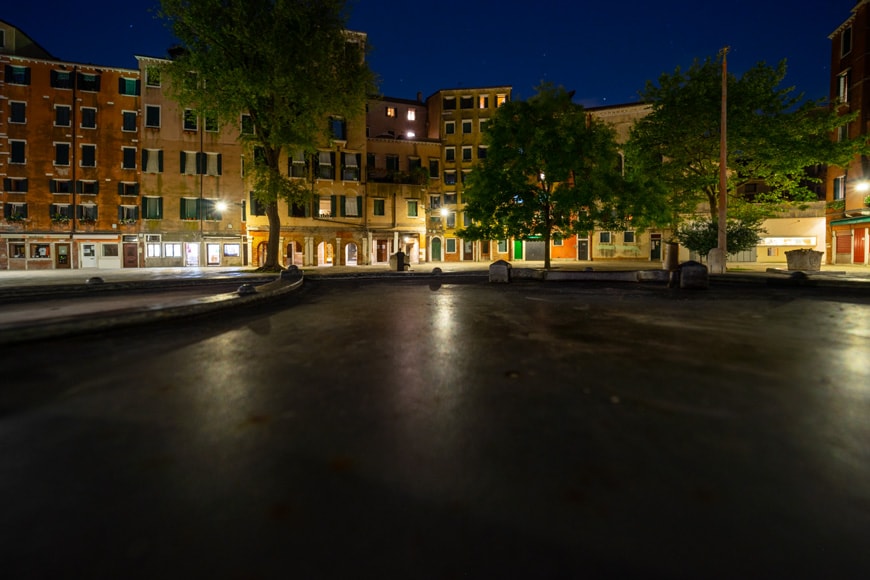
pixel 400 261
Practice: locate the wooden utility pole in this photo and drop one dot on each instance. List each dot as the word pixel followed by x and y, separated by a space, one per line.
pixel 723 165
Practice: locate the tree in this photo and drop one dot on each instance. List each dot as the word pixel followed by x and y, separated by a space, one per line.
pixel 287 64
pixel 703 235
pixel 773 137
pixel 550 170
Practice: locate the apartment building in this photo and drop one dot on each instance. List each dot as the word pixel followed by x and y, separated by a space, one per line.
pixel 68 150
pixel 191 188
pixel 403 179
pixel 457 118
pixel 848 188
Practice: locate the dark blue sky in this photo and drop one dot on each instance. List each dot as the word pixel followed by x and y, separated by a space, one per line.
pixel 604 51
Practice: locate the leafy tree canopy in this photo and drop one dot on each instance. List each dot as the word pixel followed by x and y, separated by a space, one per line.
pixel 288 64
pixel 550 169
pixel 773 136
pixel 703 235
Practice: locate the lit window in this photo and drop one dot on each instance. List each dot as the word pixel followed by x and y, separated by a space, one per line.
pixel 483 102
pixel 412 114
pixel 843 87
pixel 391 111
pixel 500 100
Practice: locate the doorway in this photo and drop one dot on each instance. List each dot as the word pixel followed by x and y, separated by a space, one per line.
pixel 131 255
pixel 655 247
pixel 89 255
pixel 436 249
pixel 62 259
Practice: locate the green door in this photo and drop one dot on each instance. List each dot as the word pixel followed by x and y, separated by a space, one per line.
pixel 518 249
pixel 436 249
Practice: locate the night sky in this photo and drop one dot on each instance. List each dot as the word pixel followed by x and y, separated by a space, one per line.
pixel 604 51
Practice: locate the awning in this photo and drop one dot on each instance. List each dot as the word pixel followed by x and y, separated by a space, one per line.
pixel 856 220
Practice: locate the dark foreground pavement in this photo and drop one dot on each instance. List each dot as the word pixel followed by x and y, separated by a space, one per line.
pixel 449 429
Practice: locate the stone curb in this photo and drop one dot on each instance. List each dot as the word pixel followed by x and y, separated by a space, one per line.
pixel 247 294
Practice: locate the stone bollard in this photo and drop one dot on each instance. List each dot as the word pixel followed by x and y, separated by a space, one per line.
pixel 500 272
pixel 693 275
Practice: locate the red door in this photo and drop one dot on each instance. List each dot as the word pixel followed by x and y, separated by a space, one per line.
pixel 858 245
pixel 131 255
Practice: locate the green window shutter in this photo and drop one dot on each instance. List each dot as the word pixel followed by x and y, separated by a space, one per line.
pixel 120 213
pixel 332 201
pixel 144 159
pixel 182 159
pixel 97 187
pixel 52 186
pixel 359 206
pixel 7 184
pixel 200 163
pixel 220 163
pixel 160 161
pixel 78 186
pixel 160 208
pixel 307 209
pixel 341 209
pixel 120 188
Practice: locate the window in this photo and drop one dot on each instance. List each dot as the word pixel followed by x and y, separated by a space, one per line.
pixel 466 153
pixel 190 120
pixel 483 102
pixel 89 118
pixel 109 250
pixel 324 206
pixel 60 212
pixel 61 154
pixel 128 158
pixel 189 208
pixel 60 186
pixel 189 163
pixel 128 188
pixel 449 178
pixel 172 250
pixel 338 128
pixel 481 152
pixel 500 100
pixel 450 245
pixel 15 184
pixel 2 39
pixel 152 249
pixel 391 111
pixel 152 160
pixel 14 211
pixel 846 41
pixel 247 125
pixel 433 169
pixel 465 174
pixel 297 164
pixel 450 198
pixel 128 120
pixel 840 187
pixel 86 212
pixel 412 208
pixel 128 214
pixel 62 116
pixel 325 166
pixel 392 162
pixel 232 250
pixel 298 210
pixel 257 206
pixel 449 127
pixel 87 186
pixel 379 207
pixel 40 250
pixel 152 76
pixel 604 238
pixel 16 151
pixel 61 79
pixel 628 237
pixel 210 210
pixel 89 82
pixel 152 208
pixel 412 114
pixel 502 246
pixel 350 167
pixel 466 127
pixel 17 112
pixel 351 205
pixel 211 124
pixel 414 164
pixel 17 75
pixel 213 164
pixel 450 154
pixel 128 86
pixel 842 133
pixel 466 102
pixel 843 86
pixel 89 156
pixel 449 103
pixel 152 116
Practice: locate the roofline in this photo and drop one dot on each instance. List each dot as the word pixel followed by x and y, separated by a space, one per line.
pixel 848 20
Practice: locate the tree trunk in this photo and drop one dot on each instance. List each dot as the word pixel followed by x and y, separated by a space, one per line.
pixel 273 248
